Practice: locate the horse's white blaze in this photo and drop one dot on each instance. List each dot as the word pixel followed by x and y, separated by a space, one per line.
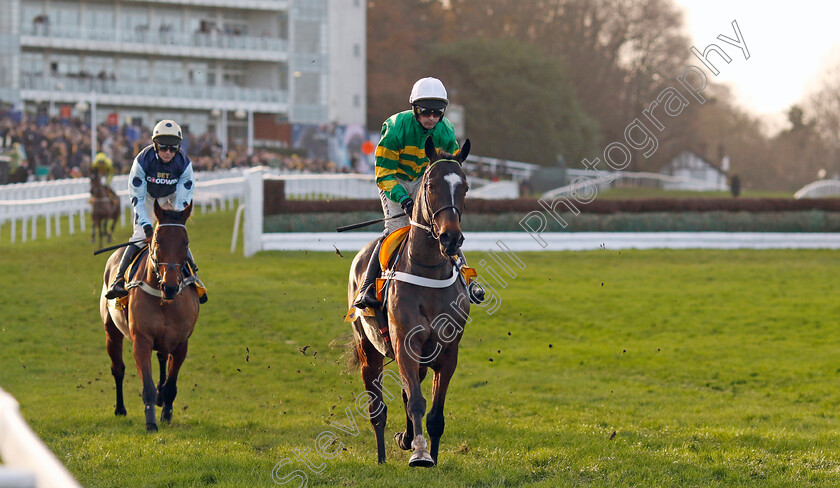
pixel 454 180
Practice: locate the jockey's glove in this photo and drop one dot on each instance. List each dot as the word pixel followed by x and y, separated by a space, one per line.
pixel 407 206
pixel 148 230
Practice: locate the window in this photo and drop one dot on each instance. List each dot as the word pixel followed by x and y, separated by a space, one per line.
pixel 32 64
pixel 98 66
pixel 133 70
pixel 357 50
pixel 134 20
pixel 283 77
pixel 169 72
pixel 64 14
pixel 233 74
pixel 64 65
pixel 99 16
pixel 307 88
pixel 308 36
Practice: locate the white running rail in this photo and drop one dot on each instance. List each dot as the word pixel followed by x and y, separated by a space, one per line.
pixel 32 464
pixel 819 189
pixel 605 180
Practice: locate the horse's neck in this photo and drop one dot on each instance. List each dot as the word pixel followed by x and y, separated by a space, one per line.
pixel 148 270
pixel 422 256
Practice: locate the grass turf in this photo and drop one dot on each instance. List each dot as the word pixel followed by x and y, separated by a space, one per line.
pixel 599 369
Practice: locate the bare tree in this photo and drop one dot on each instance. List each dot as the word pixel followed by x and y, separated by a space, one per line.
pixel 824 103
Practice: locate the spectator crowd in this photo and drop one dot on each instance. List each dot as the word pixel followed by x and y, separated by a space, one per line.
pixel 60 148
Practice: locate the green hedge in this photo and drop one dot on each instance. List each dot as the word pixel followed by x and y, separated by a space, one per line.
pixel 720 221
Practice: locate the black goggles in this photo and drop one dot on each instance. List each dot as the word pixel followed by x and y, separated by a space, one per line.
pixel 170 148
pixel 426 112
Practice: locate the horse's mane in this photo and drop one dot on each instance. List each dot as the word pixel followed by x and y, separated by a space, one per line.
pixel 170 215
pixel 445 155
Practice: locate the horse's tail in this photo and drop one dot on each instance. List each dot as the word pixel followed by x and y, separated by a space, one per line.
pixel 350 355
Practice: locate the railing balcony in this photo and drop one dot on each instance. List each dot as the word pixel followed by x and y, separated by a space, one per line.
pixel 109 39
pixel 238 5
pixel 71 89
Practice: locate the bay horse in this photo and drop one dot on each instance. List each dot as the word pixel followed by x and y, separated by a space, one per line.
pixel 424 324
pixel 160 315
pixel 105 206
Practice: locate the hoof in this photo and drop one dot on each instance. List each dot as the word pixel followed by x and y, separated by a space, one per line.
pixel 166 416
pixel 120 411
pixel 421 459
pixel 151 428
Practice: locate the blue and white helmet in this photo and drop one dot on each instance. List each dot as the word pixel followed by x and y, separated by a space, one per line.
pixel 167 132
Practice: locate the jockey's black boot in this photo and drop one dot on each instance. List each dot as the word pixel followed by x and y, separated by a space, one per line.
pixel 474 290
pixel 191 262
pixel 367 293
pixel 117 289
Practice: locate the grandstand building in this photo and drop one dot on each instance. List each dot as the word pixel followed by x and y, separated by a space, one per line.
pixel 241 69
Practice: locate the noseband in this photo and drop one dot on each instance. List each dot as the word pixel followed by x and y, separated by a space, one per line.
pixel 429 215
pixel 156 264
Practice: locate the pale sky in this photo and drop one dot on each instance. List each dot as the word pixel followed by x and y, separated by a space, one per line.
pixel 790 43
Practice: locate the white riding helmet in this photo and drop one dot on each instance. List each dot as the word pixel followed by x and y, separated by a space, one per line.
pixel 429 93
pixel 167 132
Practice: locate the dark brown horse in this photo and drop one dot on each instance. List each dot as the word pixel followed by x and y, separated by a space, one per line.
pixel 424 321
pixel 105 206
pixel 160 316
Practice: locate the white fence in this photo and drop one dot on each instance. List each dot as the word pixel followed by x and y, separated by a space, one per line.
pixel 819 189
pixel 256 240
pixel 569 241
pixel 604 180
pixel 28 462
pixel 24 205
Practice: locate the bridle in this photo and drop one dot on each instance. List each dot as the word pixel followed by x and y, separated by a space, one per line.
pixel 427 214
pixel 155 264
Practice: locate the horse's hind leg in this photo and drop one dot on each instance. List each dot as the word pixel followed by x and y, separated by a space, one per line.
pixel 371 368
pixel 143 360
pixel 170 388
pixel 162 363
pixel 114 344
pixel 435 419
pixel 404 438
pixel 111 231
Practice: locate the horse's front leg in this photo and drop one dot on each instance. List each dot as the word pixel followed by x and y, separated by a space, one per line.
pixel 114 344
pixel 170 388
pixel 404 438
pixel 435 420
pixel 143 360
pixel 162 366
pixel 408 350
pixel 93 231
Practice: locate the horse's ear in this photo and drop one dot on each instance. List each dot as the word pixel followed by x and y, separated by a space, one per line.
pixel 185 214
pixel 431 152
pixel 158 211
pixel 464 152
